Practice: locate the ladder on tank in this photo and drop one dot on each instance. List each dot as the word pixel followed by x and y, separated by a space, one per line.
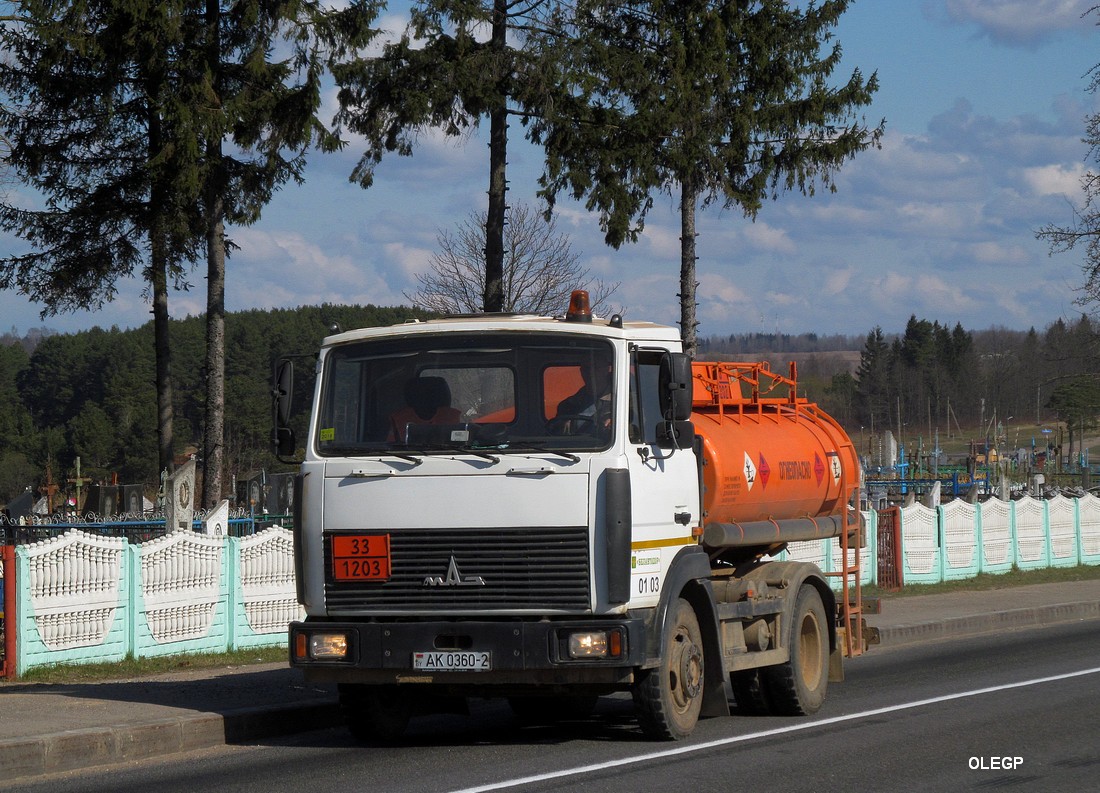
pixel 851 634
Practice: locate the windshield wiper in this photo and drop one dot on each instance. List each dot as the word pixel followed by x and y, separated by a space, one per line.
pixel 478 453
pixel 528 447
pixel 401 456
pixel 359 451
pixel 439 450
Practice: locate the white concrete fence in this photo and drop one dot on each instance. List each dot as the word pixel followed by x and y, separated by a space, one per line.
pixel 85 598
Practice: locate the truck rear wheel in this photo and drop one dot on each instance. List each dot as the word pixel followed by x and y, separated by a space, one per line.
pixel 797 687
pixel 375 714
pixel 669 698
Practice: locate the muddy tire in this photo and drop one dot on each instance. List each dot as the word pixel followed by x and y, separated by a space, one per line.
pixel 797 687
pixel 668 699
pixel 375 714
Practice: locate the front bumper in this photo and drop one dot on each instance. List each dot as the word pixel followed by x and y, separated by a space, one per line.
pixel 521 653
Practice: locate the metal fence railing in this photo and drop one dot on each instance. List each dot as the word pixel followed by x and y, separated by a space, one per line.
pixel 134 528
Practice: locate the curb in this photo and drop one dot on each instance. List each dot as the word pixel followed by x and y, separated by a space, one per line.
pixel 987 623
pixel 77 749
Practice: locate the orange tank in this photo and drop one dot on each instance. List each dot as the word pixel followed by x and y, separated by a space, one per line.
pixel 776 468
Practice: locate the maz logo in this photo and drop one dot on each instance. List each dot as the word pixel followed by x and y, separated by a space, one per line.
pixel 454 577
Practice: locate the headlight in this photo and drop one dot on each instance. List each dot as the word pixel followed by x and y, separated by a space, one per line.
pixel 328 646
pixel 596 644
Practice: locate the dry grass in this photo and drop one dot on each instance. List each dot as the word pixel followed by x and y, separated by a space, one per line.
pixel 986 581
pixel 141 667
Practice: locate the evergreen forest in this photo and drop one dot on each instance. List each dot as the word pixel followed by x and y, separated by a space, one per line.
pixel 932 376
pixel 91 395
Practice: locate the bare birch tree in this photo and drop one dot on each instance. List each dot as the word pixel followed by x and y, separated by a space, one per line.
pixel 540 269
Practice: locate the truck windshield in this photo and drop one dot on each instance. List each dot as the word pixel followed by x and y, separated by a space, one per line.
pixel 438 393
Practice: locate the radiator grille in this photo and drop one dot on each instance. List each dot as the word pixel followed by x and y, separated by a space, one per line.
pixel 523 568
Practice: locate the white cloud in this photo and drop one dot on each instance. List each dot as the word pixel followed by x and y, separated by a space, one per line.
pixel 768 238
pixel 1020 22
pixel 719 293
pixel 571 215
pixel 649 298
pixel 1055 179
pixel 410 260
pixel 838 280
pixel 296 271
pixel 661 239
pixel 946 298
pixel 600 267
pixel 997 253
pixel 943 219
pixel 784 300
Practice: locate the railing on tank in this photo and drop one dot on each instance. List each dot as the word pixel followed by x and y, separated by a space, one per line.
pixel 724 385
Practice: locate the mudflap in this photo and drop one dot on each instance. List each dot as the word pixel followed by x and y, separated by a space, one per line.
pixel 836 665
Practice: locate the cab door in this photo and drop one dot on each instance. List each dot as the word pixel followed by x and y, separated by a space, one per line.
pixel 664 484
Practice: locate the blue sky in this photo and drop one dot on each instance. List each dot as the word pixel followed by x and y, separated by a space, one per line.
pixel 985 104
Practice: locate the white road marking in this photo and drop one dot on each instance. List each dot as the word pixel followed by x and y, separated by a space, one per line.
pixel 806 725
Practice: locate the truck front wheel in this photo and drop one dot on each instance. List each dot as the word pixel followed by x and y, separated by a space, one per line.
pixel 375 714
pixel 668 698
pixel 797 687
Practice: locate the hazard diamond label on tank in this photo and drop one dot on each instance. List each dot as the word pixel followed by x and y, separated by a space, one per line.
pixel 834 464
pixel 819 468
pixel 755 472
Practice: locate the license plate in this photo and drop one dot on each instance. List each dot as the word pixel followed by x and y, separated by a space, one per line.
pixel 361 557
pixel 453 661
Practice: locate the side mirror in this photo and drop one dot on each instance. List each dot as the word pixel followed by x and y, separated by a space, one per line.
pixel 675 387
pixel 282 393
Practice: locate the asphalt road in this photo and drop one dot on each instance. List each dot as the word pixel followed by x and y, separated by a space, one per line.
pixel 1018 710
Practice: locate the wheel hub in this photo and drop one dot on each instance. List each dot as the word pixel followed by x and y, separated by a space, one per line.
pixel 691 671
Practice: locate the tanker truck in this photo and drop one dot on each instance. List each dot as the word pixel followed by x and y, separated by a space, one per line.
pixel 552 509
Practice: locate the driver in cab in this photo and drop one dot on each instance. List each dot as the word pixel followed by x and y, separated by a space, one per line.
pixel 589 410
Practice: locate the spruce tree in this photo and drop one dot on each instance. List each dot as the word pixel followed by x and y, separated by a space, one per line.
pixel 118 113
pixel 257 85
pixel 95 126
pixel 445 73
pixel 722 102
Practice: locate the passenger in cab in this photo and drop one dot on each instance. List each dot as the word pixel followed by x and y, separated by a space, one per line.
pixel 428 401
